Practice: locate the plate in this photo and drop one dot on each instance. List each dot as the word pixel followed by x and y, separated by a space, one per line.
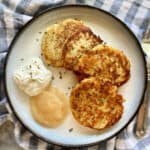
pixel 27 45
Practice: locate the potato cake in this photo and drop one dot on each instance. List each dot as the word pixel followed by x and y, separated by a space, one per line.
pixel 95 103
pixel 54 38
pixel 79 43
pixel 106 62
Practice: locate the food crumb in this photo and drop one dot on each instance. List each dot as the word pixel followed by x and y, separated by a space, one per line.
pixel 71 129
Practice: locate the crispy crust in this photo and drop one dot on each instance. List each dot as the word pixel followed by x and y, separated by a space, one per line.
pixel 106 62
pixel 54 38
pixel 79 43
pixel 95 103
pixel 80 76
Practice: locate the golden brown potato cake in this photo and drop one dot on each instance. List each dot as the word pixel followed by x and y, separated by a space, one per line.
pixel 54 38
pixel 79 43
pixel 106 62
pixel 95 103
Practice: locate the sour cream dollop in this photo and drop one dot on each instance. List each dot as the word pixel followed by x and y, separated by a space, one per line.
pixel 33 77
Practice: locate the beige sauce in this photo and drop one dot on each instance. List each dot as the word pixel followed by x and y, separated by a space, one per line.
pixel 50 107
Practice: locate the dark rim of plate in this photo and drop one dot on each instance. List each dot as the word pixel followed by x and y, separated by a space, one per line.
pixel 30 22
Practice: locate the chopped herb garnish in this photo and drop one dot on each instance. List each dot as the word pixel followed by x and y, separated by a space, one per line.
pixel 77 19
pixel 69 88
pixel 105 44
pixel 79 56
pixel 71 129
pixel 38 67
pixel 60 75
pixel 30 66
pixel 53 78
pixel 40 32
pixel 22 59
pixel 102 100
pixel 37 39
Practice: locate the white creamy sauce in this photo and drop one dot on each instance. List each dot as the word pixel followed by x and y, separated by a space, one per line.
pixel 33 77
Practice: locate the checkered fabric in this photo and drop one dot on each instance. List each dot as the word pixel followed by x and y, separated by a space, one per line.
pixel 15 13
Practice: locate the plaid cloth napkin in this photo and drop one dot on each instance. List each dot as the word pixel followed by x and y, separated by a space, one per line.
pixel 15 13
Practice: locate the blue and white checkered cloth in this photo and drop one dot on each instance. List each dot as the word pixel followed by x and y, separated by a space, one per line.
pixel 15 13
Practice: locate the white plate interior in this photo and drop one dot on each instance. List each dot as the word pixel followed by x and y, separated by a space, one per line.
pixel 28 46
